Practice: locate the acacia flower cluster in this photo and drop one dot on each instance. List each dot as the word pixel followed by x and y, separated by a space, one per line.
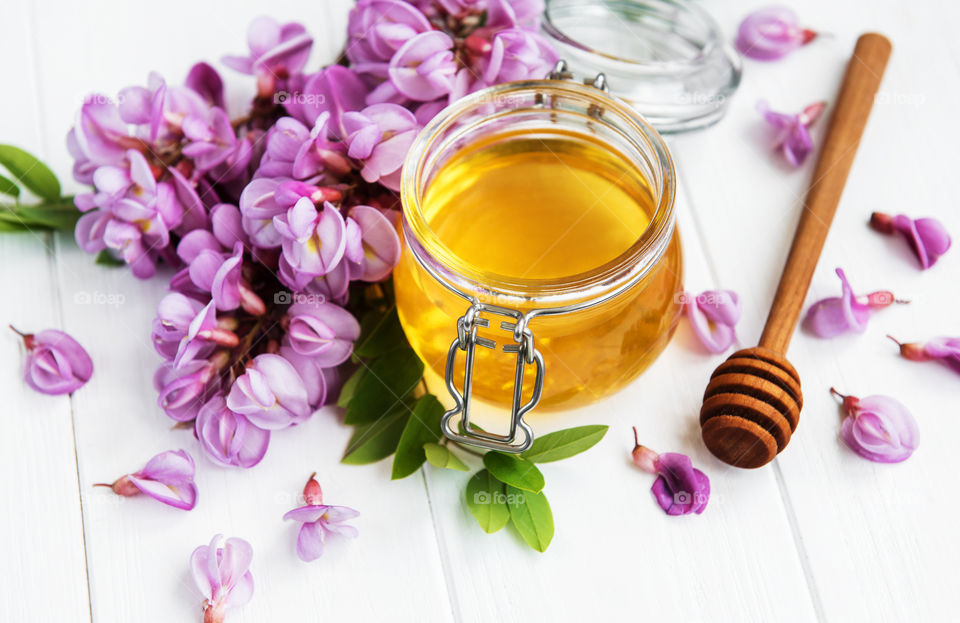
pixel 267 218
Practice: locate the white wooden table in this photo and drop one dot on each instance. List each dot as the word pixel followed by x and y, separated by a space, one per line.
pixel 819 535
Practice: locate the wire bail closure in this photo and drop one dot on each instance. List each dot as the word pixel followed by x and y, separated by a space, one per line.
pixel 520 435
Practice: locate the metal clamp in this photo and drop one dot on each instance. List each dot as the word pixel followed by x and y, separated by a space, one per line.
pixel 467 340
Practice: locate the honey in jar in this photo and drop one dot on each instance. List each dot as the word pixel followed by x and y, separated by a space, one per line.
pixel 552 202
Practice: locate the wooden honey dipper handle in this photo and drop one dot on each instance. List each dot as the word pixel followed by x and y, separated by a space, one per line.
pixel 859 88
pixel 751 406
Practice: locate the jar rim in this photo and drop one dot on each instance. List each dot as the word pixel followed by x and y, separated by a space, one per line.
pixel 459 276
pixel 646 67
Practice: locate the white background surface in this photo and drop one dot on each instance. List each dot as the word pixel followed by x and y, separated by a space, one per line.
pixel 818 535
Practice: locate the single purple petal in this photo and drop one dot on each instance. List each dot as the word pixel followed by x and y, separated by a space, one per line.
pixel 310 542
pixel 206 82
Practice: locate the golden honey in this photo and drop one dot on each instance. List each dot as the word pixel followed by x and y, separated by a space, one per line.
pixel 530 217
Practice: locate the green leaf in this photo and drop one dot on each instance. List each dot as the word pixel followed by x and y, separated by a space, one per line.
pixel 564 443
pixel 389 380
pixel 376 440
pixel 380 333
pixel 487 501
pixel 441 456
pixel 51 216
pixel 11 225
pixel 514 470
pixel 30 172
pixel 8 187
pixel 349 388
pixel 531 516
pixel 105 258
pixel 422 427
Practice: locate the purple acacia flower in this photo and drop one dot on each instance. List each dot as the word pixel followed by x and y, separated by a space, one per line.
pixel 380 136
pixel 258 207
pixel 323 154
pixel 680 489
pixel 99 137
pixel 56 363
pixel 421 70
pixel 323 331
pixel 376 29
pixel 373 250
pixel 183 390
pixel 313 242
pixel 943 349
pixel 228 438
pixel 223 575
pixel 203 334
pixel 713 314
pixel 167 478
pixel 333 90
pixel 927 237
pixel 516 54
pixel 319 381
pixel 213 145
pixel 792 136
pixel 130 213
pixel 270 393
pixel 833 316
pixel 174 315
pixel 878 428
pixel 319 521
pixel 276 51
pixel 771 33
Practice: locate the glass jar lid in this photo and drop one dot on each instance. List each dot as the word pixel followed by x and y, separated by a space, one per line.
pixel 666 58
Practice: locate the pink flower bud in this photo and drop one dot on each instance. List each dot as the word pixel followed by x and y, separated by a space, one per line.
pixel 643 457
pixel 312 493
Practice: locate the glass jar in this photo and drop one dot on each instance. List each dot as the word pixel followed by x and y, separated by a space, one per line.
pixel 541 263
pixel 666 58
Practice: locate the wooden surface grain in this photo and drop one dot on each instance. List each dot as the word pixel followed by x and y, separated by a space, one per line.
pixel 818 535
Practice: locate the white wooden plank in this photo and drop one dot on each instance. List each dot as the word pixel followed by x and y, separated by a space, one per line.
pixel 41 530
pixel 615 554
pixel 876 536
pixel 136 544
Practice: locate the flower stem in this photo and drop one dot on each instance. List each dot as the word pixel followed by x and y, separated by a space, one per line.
pixel 836 393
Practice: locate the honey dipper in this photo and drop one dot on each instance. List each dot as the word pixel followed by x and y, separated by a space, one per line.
pixel 752 404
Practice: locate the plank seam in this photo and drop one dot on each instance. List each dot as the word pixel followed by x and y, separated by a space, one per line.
pixel 445 567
